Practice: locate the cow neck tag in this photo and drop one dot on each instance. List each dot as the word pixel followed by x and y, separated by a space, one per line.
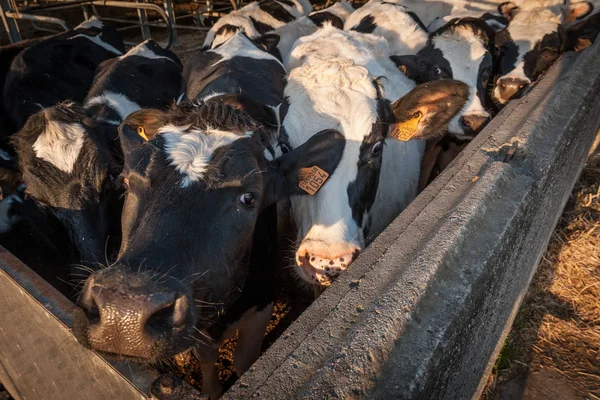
pixel 311 179
pixel 406 130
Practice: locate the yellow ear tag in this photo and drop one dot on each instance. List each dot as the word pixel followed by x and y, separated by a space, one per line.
pixel 311 179
pixel 407 129
pixel 142 132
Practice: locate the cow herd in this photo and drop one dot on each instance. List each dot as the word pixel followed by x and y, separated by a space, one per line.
pixel 165 183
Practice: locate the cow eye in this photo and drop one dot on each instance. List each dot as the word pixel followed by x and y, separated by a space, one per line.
pixel 248 199
pixel 284 148
pixel 437 71
pixel 376 149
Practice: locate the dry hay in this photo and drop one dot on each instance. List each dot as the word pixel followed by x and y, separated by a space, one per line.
pixel 554 346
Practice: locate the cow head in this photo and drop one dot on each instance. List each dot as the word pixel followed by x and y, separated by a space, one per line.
pixel 68 168
pixel 459 50
pixel 333 225
pixel 524 50
pixel 197 178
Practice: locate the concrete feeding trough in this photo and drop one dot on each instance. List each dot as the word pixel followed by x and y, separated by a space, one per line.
pixel 421 314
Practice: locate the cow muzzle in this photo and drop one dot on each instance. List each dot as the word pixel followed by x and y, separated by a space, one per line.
pixel 320 263
pixel 134 316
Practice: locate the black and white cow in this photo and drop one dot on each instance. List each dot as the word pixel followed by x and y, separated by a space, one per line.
pixel 240 73
pixel 199 236
pixel 345 80
pixel 68 168
pixel 255 19
pixel 57 69
pixel 399 25
pixel 496 21
pixel 286 36
pixel 147 76
pixel 462 50
pixel 525 49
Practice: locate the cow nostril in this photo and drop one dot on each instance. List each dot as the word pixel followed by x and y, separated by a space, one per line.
pixel 503 85
pixel 93 313
pixel 161 320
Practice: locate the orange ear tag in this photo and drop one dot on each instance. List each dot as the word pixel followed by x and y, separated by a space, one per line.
pixel 407 129
pixel 142 132
pixel 311 179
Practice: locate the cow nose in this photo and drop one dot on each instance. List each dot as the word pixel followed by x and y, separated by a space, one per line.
pixel 321 264
pixel 472 124
pixel 130 321
pixel 511 88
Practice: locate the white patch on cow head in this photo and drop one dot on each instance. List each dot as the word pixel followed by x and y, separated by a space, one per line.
pixel 60 144
pixel 98 40
pixel 117 101
pixel 191 150
pixel 93 22
pixel 143 50
pixel 240 46
pixel 465 52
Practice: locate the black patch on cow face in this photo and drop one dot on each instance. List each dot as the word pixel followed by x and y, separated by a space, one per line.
pixel 261 27
pixel 366 25
pixel 362 191
pixel 227 28
pixel 484 81
pixel 496 22
pixel 542 56
pixel 276 10
pixel 321 17
pixel 507 53
pixel 428 65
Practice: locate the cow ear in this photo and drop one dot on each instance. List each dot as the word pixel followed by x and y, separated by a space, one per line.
pixel 425 111
pixel 576 11
pixel 580 35
pixel 306 168
pixel 138 129
pixel 268 42
pixel 508 9
pixel 408 65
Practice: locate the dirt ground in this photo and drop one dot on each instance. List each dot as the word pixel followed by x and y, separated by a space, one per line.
pixel 553 350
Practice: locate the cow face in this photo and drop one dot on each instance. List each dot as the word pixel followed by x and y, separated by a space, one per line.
pixel 197 178
pixel 333 226
pixel 525 50
pixel 68 168
pixel 460 50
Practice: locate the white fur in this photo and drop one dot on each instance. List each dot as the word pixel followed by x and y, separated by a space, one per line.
pixel 403 34
pixel 190 150
pixel 526 29
pixel 142 50
pixel 97 40
pixel 331 87
pixel 240 46
pixel 289 33
pixel 117 101
pixel 241 19
pixel 465 52
pixel 60 144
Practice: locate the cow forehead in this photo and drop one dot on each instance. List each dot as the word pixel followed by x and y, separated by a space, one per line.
pixel 464 52
pixel 190 151
pixel 60 144
pixel 529 27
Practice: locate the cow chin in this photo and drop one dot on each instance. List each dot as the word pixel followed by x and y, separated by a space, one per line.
pixel 320 263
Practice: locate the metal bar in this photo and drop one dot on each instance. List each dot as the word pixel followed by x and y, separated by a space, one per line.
pixel 39 18
pixel 43 29
pixel 168 4
pixel 150 24
pixel 143 17
pixel 10 25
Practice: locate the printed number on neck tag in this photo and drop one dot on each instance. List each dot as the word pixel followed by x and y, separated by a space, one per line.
pixel 311 179
pixel 407 129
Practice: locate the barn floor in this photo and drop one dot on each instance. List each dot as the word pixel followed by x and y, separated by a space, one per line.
pixel 553 350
